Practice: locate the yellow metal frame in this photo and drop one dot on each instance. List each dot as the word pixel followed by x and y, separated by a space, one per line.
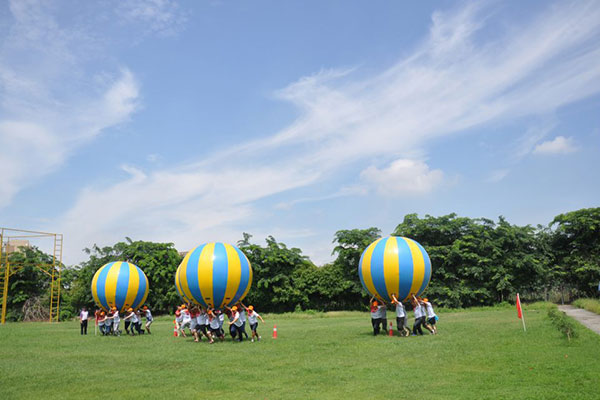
pixel 52 270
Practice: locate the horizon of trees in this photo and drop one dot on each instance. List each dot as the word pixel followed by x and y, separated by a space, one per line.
pixel 476 262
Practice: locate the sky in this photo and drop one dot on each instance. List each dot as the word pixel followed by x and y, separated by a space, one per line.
pixel 195 121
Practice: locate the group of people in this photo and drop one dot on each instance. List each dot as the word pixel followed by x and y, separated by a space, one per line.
pixel 109 323
pixel 208 322
pixel 425 317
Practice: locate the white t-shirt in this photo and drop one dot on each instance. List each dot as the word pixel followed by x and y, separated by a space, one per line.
pixel 135 318
pixel 253 318
pixel 148 315
pixel 429 309
pixel 186 316
pixel 214 323
pixel 238 322
pixel 116 318
pixel 202 319
pixel 84 315
pixel 243 316
pixel 419 311
pixel 400 311
pixel 221 320
pixel 382 312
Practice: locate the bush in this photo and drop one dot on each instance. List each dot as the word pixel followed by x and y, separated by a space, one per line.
pixel 592 305
pixel 563 323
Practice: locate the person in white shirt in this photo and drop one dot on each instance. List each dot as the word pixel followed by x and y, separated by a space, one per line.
pixel 116 322
pixel 241 307
pixel 186 320
pixel 101 321
pixel 149 318
pixel 419 311
pixel 236 324
pixel 128 321
pixel 83 320
pixel 214 326
pixel 137 322
pixel 400 317
pixel 431 317
pixel 253 318
pixel 376 312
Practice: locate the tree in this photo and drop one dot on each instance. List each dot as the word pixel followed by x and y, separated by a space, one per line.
pixel 576 247
pixel 273 268
pixel 159 261
pixel 350 246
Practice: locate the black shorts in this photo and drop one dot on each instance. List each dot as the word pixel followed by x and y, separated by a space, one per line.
pixel 215 331
pixel 253 327
pixel 431 321
pixel 203 328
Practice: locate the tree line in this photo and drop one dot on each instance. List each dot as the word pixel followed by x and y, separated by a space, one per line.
pixel 476 262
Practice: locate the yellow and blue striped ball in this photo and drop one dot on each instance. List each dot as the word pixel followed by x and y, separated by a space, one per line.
pixel 395 265
pixel 119 284
pixel 214 275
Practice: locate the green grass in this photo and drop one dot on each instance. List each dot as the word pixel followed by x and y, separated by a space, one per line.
pixel 476 355
pixel 592 305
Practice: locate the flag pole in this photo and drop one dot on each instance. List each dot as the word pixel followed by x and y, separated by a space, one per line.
pixel 520 312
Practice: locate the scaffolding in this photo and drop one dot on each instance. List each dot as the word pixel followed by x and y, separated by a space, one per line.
pixel 10 241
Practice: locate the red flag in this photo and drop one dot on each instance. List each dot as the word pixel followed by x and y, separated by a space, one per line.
pixel 519 311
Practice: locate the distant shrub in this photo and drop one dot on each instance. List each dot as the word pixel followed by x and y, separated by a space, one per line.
pixel 564 324
pixel 592 305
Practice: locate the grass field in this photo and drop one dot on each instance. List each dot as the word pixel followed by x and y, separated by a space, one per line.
pixel 478 354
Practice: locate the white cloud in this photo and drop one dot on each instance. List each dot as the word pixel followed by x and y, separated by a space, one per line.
pixel 49 106
pixel 454 80
pixel 403 177
pixel 560 145
pixel 162 17
pixel 497 175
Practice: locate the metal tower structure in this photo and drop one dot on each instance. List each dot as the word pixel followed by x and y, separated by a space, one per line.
pixel 53 270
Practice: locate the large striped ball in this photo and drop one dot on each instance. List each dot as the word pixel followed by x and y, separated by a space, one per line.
pixel 214 275
pixel 119 284
pixel 394 265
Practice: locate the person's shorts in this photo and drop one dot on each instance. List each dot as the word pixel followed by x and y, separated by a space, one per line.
pixel 253 327
pixel 431 321
pixel 149 322
pixel 215 331
pixel 400 322
pixel 186 323
pixel 203 328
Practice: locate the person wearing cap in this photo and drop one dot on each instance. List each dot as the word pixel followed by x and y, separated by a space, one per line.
pixel 400 317
pixel 236 323
pixel 101 321
pixel 116 322
pixel 419 316
pixel 178 318
pixel 83 320
pixel 199 324
pixel 375 316
pixel 241 308
pixel 128 320
pixel 108 324
pixel 186 320
pixel 214 326
pixel 149 318
pixel 230 315
pixel 431 317
pixel 253 318
pixel 136 320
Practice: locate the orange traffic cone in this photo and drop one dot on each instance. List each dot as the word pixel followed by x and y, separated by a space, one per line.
pixel 274 331
pixel 391 330
pixel 175 334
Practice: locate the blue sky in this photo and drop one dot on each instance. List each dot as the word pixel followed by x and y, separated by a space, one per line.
pixel 190 122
